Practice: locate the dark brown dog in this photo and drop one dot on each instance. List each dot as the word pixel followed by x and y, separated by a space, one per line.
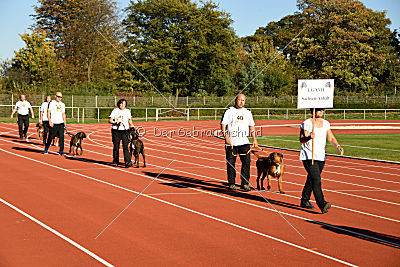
pixel 76 142
pixel 136 147
pixel 40 130
pixel 271 166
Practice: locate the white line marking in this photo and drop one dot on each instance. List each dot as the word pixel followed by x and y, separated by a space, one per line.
pixel 190 210
pixel 88 252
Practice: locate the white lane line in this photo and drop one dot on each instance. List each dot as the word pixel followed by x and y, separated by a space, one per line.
pixel 286 195
pixel 70 241
pixel 189 210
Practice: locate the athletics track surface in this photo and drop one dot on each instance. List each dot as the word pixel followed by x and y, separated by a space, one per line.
pixel 53 207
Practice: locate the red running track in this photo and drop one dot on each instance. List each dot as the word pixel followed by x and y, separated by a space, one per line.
pixel 53 207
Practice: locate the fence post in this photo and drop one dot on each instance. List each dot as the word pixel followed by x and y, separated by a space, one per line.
pixel 188 114
pixel 78 114
pixel 95 101
pixel 344 114
pixel 156 113
pixel 364 114
pixel 268 112
pixel 72 106
pixel 385 114
pixel 287 113
pixel 146 114
pixel 198 114
pixel 305 114
pixel 215 111
pixel 98 115
pixel 83 115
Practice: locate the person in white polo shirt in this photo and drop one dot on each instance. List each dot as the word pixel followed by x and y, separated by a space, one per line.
pixel 57 123
pixel 235 125
pixel 23 107
pixel 121 120
pixel 43 118
pixel 321 132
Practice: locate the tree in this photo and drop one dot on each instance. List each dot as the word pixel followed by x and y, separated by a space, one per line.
pixel 341 39
pixel 37 59
pixel 81 32
pixel 180 46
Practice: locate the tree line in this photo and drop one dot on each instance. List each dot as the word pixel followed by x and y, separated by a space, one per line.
pixel 184 48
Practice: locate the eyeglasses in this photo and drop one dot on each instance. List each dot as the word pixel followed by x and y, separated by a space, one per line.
pixel 58 96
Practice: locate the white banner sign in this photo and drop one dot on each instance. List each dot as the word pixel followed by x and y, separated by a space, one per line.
pixel 315 93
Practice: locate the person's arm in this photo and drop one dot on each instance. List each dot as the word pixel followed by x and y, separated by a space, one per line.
pixel 305 136
pixel 33 114
pixel 225 135
pixel 253 134
pixel 131 123
pixel 13 112
pixel 49 118
pixel 334 142
pixel 64 119
pixel 41 115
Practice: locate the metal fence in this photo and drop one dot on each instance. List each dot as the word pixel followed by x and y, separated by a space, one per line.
pixel 100 114
pixel 134 101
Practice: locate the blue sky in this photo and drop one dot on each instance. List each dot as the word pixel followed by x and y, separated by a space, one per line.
pixel 248 16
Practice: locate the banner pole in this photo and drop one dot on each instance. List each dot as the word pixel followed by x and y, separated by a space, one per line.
pixel 313 125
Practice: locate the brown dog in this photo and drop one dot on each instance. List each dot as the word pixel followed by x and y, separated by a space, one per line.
pixel 271 166
pixel 76 142
pixel 40 130
pixel 136 147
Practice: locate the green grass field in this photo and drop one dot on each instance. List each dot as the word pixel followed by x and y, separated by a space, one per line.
pixel 373 146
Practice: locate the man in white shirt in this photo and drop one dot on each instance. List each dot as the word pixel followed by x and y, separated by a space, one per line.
pixel 23 107
pixel 57 123
pixel 43 118
pixel 235 125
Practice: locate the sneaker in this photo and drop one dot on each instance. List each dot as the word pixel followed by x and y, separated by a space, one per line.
pixel 307 205
pixel 115 164
pixel 45 151
pixel 327 206
pixel 127 165
pixel 232 187
pixel 62 153
pixel 246 187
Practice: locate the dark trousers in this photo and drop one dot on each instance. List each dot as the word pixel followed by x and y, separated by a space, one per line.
pixel 117 136
pixel 46 128
pixel 313 183
pixel 244 156
pixel 23 125
pixel 57 129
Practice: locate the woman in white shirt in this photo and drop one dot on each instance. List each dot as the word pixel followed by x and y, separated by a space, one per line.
pixel 322 131
pixel 121 120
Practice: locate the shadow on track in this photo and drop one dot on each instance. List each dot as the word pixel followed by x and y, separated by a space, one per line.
pixel 368 235
pixel 179 181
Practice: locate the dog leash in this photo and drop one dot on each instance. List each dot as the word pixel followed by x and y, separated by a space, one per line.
pixel 65 128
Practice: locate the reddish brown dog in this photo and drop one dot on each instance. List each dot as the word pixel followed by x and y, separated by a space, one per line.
pixel 40 130
pixel 271 166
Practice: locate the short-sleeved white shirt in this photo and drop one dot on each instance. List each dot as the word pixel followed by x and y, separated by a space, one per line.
pixel 23 107
pixel 43 108
pixel 319 139
pixel 237 123
pixel 122 116
pixel 56 111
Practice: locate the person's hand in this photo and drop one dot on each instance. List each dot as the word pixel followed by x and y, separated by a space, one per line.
pixel 33 116
pixel 11 117
pixel 255 143
pixel 228 141
pixel 312 135
pixel 40 121
pixel 51 123
pixel 341 150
